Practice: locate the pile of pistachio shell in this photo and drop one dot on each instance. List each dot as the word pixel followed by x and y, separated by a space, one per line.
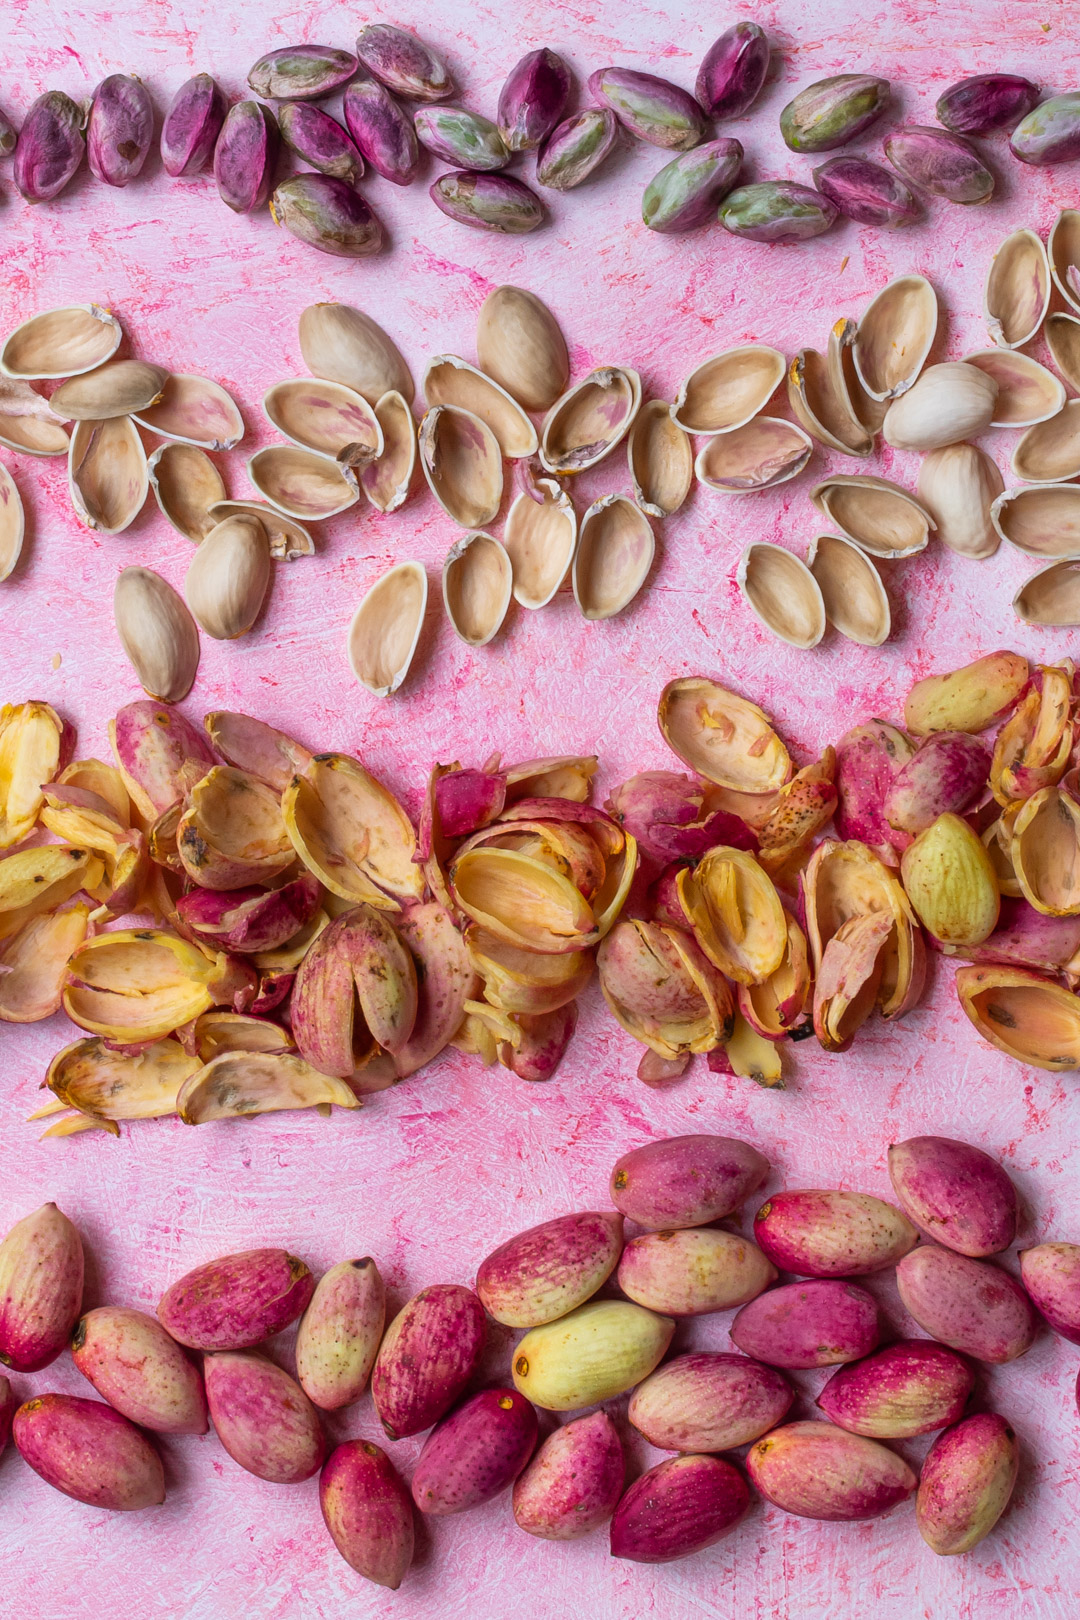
pixel 598 1311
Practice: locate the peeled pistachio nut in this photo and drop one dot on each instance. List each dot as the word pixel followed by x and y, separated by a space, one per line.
pixel 157 632
pixel 1050 133
pixel 532 99
pixel 833 111
pixel 89 1452
pixel 41 1288
pixel 117 388
pixel 651 108
pixel 328 214
pixel 463 138
pixel 985 102
pixel 576 148
pixel 119 129
pixel 519 345
pixel 733 71
pixel 945 165
pixel 227 579
pixel 958 485
pixel 51 147
pixel 777 211
pixel 597 1352
pixel 488 202
pixel 301 72
pixel 192 125
pixel 245 156
pixel 403 63
pixel 685 194
pixel 382 130
pixel 320 140
pixel 867 193
pixel 949 402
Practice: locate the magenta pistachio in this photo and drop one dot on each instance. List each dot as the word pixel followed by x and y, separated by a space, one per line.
pixel 301 72
pixel 576 148
pixel 971 1306
pixel 693 1271
pixel 89 1452
pixel 832 1234
pixel 957 1194
pixel 947 773
pixel 907 1388
pixel 41 1286
pixel 426 1358
pixel 403 63
pixel 686 193
pixel 140 1370
pixel 1050 133
pixel 679 1507
pixel 368 1512
pixel 237 1300
pixel 821 1472
pixel 475 1452
pixel 551 1269
pixel 867 192
pixel 777 211
pixel 532 100
pixel 682 1181
pixel 967 1479
pixel 650 108
pixel 985 102
pixel 669 814
pixel 833 111
pixel 709 1400
pixel 358 964
pixel 192 124
pixel 574 1481
pixel 119 129
pixel 811 1324
pixel 263 1418
pixel 249 920
pixel 488 202
pixel 245 156
pixel 382 130
pixel 946 165
pixel 463 138
pixel 733 71
pixel 51 147
pixel 320 140
pixel 327 214
pixel 1051 1275
pixel 544 1039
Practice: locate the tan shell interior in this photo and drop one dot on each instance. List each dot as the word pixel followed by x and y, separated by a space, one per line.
pixel 451 381
pixel 305 485
pixel 115 389
pixel 1043 521
pixel 661 460
pixel 12 523
pixel 840 360
pixel 385 481
pixel 477 581
pixel 386 627
pixel 540 540
pixel 589 420
pixel 1062 333
pixel 197 410
pixel 723 737
pixel 1027 392
pixel 855 599
pixel 729 388
pixel 614 554
pixel 186 485
pixel 463 464
pixel 241 817
pixel 34 435
pixel 1037 1023
pixel 823 407
pixel 1052 596
pixel 883 520
pixel 322 416
pixel 287 538
pixel 783 593
pixel 108 472
pixel 61 342
pixel 1046 852
pixel 1064 254
pixel 764 452
pixel 1017 289
pixel 1049 452
pixel 895 336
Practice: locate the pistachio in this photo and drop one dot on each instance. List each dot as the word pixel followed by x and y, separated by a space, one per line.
pixel 783 594
pixel 722 736
pixel 1041 520
pixel 777 211
pixel 967 699
pixel 856 602
pixel 227 578
pixel 382 130
pixel 877 515
pixel 661 460
pixel 651 108
pixel 320 140
pixel 949 402
pixel 115 389
pixel 576 148
pixel 520 346
pixel 51 147
pixel 951 883
pixel 8 137
pixel 287 538
pixel 1049 452
pixel 590 419
pixel 386 628
pixel 157 632
pixel 967 1479
pixel 1051 596
pixel 477 582
pixel 301 73
pixel 733 71
pixel 943 164
pixel 833 111
pixel 729 389
pixel 342 344
pixel 1063 252
pixel 895 336
pixel 1028 1017
pixel 958 485
pixel 540 539
pixel 192 125
pixel 1018 290
pixel 107 476
pixel 462 462
pixel 27 421
pixel 615 551
pixel 759 455
pixel 463 138
pixel 194 410
pixel 12 523
pixel 245 156
pixel 488 202
pixel 61 342
pixel 1050 133
pixel 819 394
pixel 685 194
pixel 325 417
pixel 301 483
pixel 532 99
pixel 1027 392
pixel 449 380
pixel 867 193
pixel 386 480
pixel 351 832
pixel 1043 847
pixel 186 486
pixel 119 129
pixel 403 63
pixel 985 102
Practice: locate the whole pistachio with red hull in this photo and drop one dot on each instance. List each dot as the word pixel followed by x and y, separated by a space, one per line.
pixel 679 1507
pixel 236 1301
pixel 475 1452
pixel 832 1234
pixel 368 1512
pixel 946 774
pixel 693 1270
pixel 972 1306
pixel 821 1472
pixel 339 1334
pixel 709 1401
pixel 813 1324
pixel 907 1388
pixel 572 1485
pixel 1051 1275
pixel 427 1357
pixel 9 1403
pixel 89 1452
pixel 549 1270
pixel 956 1193
pixel 140 1370
pixel 682 1181
pixel 967 1478
pixel 263 1418
pixel 41 1287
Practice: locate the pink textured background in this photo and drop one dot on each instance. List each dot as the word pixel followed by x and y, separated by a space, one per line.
pixel 430 1176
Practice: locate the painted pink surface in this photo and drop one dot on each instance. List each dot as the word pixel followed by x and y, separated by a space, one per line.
pixel 429 1177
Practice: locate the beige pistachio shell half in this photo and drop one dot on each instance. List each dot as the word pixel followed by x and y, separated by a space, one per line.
pixel 1049 452
pixel 879 516
pixel 61 342
pixel 947 403
pixel 824 410
pixel 1051 597
pixel 287 538
pixel 186 486
pixel 856 602
pixel 227 578
pixel 157 633
pixel 1041 520
pixel 958 485
pixel 344 345
pixel 590 419
pixel 28 422
pixel 520 345
pixel 195 410
pixel 783 594
pixel 476 582
pixel 615 551
pixel 1063 252
pixel 107 476
pixel 723 737
pixel 729 389
pixel 1018 290
pixel 840 360
pixel 895 337
pixel 386 480
pixel 1045 851
pixel 661 460
pixel 540 537
pixel 462 463
pixel 386 628
pixel 12 523
pixel 301 483
pixel 116 389
pixel 760 454
pixel 1027 392
pixel 449 380
pixel 1062 335
pixel 325 417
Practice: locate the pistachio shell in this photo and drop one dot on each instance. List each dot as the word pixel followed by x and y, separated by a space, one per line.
pixel 877 515
pixel 98 1080
pixel 520 346
pixel 855 599
pixel 477 581
pixel 157 632
pixel 63 342
pixel 386 628
pixel 736 914
pixel 286 538
pixel 540 537
pixel 722 736
pixel 33 961
pixel 449 380
pixel 729 389
pixel 107 476
pixel 231 833
pixel 351 832
pixel 462 462
pixel 1018 290
pixel 1044 848
pixel 966 699
pixel 818 396
pixel 386 480
pixel 958 485
pixel 1063 252
pixel 840 361
pixel 28 422
pixel 12 523
pixel 118 388
pixel 239 1084
pixel 783 594
pixel 1041 520
pixel 895 336
pixel 947 403
pixel 763 453
pixel 302 483
pixel 523 901
pixel 186 486
pixel 325 417
pixel 847 883
pixel 661 460
pixel 227 577
pixel 1049 452
pixel 615 551
pixel 1029 1018
pixel 1027 392
pixel 1051 596
pixel 590 419
pixel 343 345
pixel 194 410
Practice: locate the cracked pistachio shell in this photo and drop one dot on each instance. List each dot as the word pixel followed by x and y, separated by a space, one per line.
pixel 8 137
pixel 477 582
pixel 449 380
pixel 943 164
pixel 386 628
pixel 462 462
pixel 651 108
pixel 1018 289
pixel 237 1084
pixel 1051 596
pixel 1041 520
pixel 777 211
pixel 729 389
pixel 107 476
pixel 463 138
pixel 966 699
pixel 51 146
pixel 615 551
pixel 783 594
pixel 532 99
pixel 576 148
pixel 320 140
pixel 382 130
pixel 723 737
pixel 1027 392
pixel 326 417
pixel 403 63
pixel 820 396
pixel 12 523
pixel 519 344
pixel 597 1352
pixel 117 388
pixel 157 632
pixel 1050 133
pixel 301 72
pixel 856 601
pixel 758 455
pixel 287 538
pixel 895 336
pixel 194 410
pixel 358 959
pixel 192 125
pixel 119 129
pixel 877 515
pixel 1063 251
pixel 488 202
pixel 661 460
pixel 1030 1018
pixel 301 483
pixel 867 193
pixel 540 537
pixel 833 111
pixel 343 345
pixel 231 833
pixel 590 419
pixel 985 102
pixel 685 194
pixel 352 833
pixel 27 421
pixel 1049 452
pixel 245 156
pixel 386 480
pixel 63 342
pixel 733 71
pixel 227 577
pixel 187 486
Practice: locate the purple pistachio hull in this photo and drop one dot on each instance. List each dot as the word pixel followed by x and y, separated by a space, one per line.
pixel 945 165
pixel 666 811
pixel 320 140
pixel 532 100
pixel 867 193
pixel 250 920
pixel 814 1324
pixel 236 1301
pixel 119 129
pixel 551 1269
pixel 956 1193
pixel 908 1388
pixel 544 1040
pixel 679 1507
pixel 576 148
pixel 427 1357
pixel 985 102
pixel 1025 937
pixel 693 1270
pixel 832 1234
pixel 972 1306
pixel 368 1512
pixel 339 1334
pixel 41 1286
pixel 475 1453
pixel 488 202
pixel 192 125
pixel 245 156
pixel 709 1401
pixel 327 214
pixel 967 1479
pixel 686 194
pixel 51 147
pixel 777 211
pixel 1051 1275
pixel 8 137
pixel 157 749
pixel 650 108
pixel 301 72
pixel 572 1485
pixel 382 130
pixel 947 773
pixel 89 1452
pixel 733 71
pixel 820 1472
pixel 131 1360
pixel 263 1418
pixel 686 1180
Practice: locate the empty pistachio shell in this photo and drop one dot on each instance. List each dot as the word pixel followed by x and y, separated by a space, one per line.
pixel 344 345
pixel 1044 847
pixel 820 398
pixel 947 403
pixel 194 410
pixel 1017 290
pixel 386 480
pixel 763 452
pixel 12 523
pixel 1042 520
pixel 1050 133
pixel 51 147
pixel 777 211
pixel 192 124
pixel 386 628
pixel 303 484
pixel 462 463
pixel 320 140
pixel 461 137
pixel 783 594
pixel 958 485
pixel 1030 1018
pixel 833 111
pixel 986 101
pixel 590 419
pixel 245 156
pixel 186 486
pixel 879 516
pixel 119 129
pixel 1049 452
pixel 722 736
pixel 157 632
pixel 1027 392
pixel 239 1084
pixel 733 71
pixel 228 576
pixel 615 551
pixel 61 342
pixel 532 99
pixel 301 72
pixel 450 380
pixel 685 194
pixel 661 460
pixel 1063 252
pixel 895 336
pixel 488 202
pixel 287 539
pixel 855 599
pixel 1051 597
pixel 519 344
pixel 107 476
pixel 540 537
pixel 325 417
pixel 117 388
pixel 943 164
pixel 382 130
pixel 477 580
pixel 576 148
pixel 326 213
pixel 28 422
pixel 867 193
pixel 730 388
pixel 403 63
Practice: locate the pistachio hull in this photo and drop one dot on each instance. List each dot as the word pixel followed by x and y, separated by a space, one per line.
pixel 733 71
pixel 683 1181
pixel 908 1388
pixel 986 101
pixel 967 1479
pixel 488 202
pixel 236 1301
pixel 576 148
pixel 867 193
pixel 943 164
pixel 89 1452
pixel 474 1453
pixel 693 1271
pixel 967 699
pixel 140 1370
pixel 9 1403
pixel 245 156
pixel 339 1334
pixel 192 125
pixel 679 1507
pixel 814 1324
pixel 956 1193
pixel 326 213
pixel 685 194
pixel 777 211
pixel 551 1269
pixel 651 108
pixel 119 129
pixel 832 1234
pixel 50 149
pixel 1051 1275
pixel 597 1352
pixel 709 1401
pixel 833 111
pixel 368 1512
pixel 973 1307
pixel 572 1485
pixel 160 754
pixel 532 100
pixel 250 920
pixel 41 1285
pixel 263 1418
pixel 819 1472
pixel 1050 133
pixel 382 130
pixel 946 774
pixel 427 1357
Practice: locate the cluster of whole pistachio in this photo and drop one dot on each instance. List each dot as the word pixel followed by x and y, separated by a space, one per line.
pixel 203 1359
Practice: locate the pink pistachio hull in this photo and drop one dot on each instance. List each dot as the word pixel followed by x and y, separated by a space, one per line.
pixel 550 1269
pixel 368 1512
pixel 89 1452
pixel 908 1388
pixel 427 1357
pixel 813 1324
pixel 9 1403
pixel 967 1479
pixel 475 1453
pixel 679 1507
pixel 339 1334
pixel 236 1301
pixel 131 1360
pixel 956 1193
pixel 41 1287
pixel 832 1234
pixel 820 1472
pixel 709 1401
pixel 969 1305
pixel 693 1271
pixel 572 1485
pixel 1051 1275
pixel 686 1180
pixel 263 1418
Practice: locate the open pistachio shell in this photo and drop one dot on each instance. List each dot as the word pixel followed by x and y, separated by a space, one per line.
pixel 540 538
pixel 62 342
pixel 895 336
pixel 783 594
pixel 97 1080
pixel 847 881
pixel 139 984
pixel 1041 520
pixel 1051 597
pixel 31 744
pixel 115 389
pixel 948 403
pixel 462 463
pixel 840 362
pixel 450 380
pixel 519 344
pixel 1027 1017
pixel 1032 750
pixel 734 910
pixel 325 417
pixel 216 1032
pixel 517 980
pixel 386 480
pixel 232 834
pixel 186 485
pixel 344 345
pixel 33 962
pixel 194 410
pixel 477 581
pixel 615 551
pixel 855 599
pixel 238 1084
pixel 661 460
pixel 1045 852
pixel 729 389
pixel 287 539
pixel 760 454
pixel 28 422
pixel 522 900
pixel 107 476
pixel 302 483
pixel 12 523
pixel 590 419
pixel 1049 452
pixel 1063 252
pixel 825 410
pixel 879 516
pixel 1027 392
pixel 723 737
pixel 1017 290
pixel 1062 333
pixel 350 831
pixel 386 628
pixel 958 485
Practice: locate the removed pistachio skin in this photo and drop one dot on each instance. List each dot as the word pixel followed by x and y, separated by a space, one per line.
pixel 946 165
pixel 1050 133
pixel 733 71
pixel 833 111
pixel 576 148
pixel 320 141
pixel 533 99
pixel 985 102
pixel 301 72
pixel 192 125
pixel 403 63
pixel 119 129
pixel 245 156
pixel 651 108
pixel 777 211
pixel 461 137
pixel 382 129
pixel 51 147
pixel 488 202
pixel 326 213
pixel 867 193
pixel 685 194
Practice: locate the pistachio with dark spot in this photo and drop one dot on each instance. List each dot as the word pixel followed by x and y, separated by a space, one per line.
pixel 119 129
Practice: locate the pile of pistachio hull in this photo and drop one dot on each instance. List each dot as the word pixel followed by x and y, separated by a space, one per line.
pixel 599 1310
